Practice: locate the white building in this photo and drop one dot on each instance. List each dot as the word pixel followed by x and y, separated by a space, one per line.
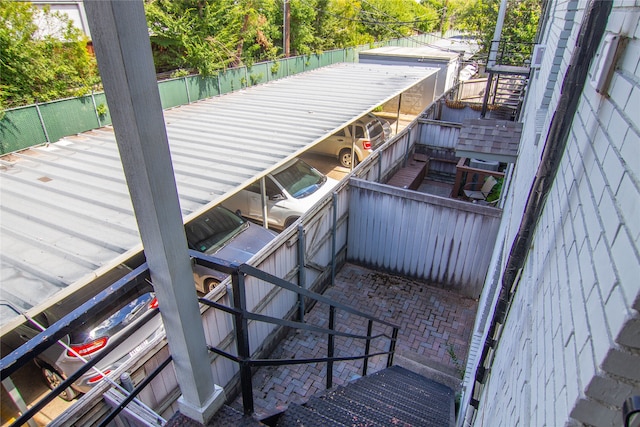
pixel 563 347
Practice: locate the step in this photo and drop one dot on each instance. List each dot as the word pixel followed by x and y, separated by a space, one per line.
pixel 393 396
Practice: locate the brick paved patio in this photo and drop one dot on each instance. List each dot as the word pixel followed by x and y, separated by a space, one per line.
pixel 435 328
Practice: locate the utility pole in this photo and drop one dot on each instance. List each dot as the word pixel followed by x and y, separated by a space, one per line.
pixel 286 28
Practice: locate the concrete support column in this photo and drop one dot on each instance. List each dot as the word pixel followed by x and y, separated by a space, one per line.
pixel 122 47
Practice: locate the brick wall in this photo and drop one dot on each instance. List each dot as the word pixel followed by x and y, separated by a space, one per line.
pixel 569 353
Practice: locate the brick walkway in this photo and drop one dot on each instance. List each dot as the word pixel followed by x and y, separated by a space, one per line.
pixel 434 326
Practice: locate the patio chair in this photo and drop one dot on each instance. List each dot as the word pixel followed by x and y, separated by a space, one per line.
pixel 485 190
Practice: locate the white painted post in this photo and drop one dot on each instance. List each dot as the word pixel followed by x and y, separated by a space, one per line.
pixel 122 47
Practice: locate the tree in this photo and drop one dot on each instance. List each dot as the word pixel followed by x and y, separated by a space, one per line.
pixel 39 66
pixel 479 17
pixel 209 35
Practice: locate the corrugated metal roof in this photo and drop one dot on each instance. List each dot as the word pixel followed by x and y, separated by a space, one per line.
pixel 66 214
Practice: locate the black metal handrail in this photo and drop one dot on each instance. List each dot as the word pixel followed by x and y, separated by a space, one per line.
pixel 49 337
pixel 514 53
pixel 242 316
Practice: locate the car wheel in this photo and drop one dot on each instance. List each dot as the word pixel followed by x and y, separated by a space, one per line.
pixel 290 221
pixel 210 284
pixel 54 379
pixel 345 158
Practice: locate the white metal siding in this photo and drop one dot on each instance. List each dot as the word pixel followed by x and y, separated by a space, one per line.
pixel 438 240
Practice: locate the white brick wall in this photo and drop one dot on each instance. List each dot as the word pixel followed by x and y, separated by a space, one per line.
pixel 569 353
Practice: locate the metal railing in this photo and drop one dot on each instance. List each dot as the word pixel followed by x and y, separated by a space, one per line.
pixel 513 53
pixel 54 335
pixel 242 316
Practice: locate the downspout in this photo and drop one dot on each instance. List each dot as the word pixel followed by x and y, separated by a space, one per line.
pixel 591 33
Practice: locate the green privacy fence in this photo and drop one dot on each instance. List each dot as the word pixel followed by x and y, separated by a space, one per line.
pixel 37 124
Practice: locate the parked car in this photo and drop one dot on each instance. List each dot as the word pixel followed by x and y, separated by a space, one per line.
pixel 92 339
pixel 218 232
pixel 291 190
pixel 226 235
pixel 368 133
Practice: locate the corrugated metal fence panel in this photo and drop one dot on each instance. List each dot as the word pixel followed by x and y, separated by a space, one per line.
pixel 438 134
pixel 277 69
pixel 232 79
pixel 69 116
pixel 458 115
pixel 296 65
pixel 448 243
pixel 258 73
pixel 173 93
pixel 20 128
pixel 101 100
pixel 312 62
pixel 202 87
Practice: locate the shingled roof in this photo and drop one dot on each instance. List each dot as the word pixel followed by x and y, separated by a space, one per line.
pixel 489 139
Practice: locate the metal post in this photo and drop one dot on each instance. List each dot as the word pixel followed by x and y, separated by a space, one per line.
pixel 367 348
pixel 302 274
pixel 17 399
pixel 95 108
pixel 398 113
pixel 186 87
pixel 330 352
pixel 392 347
pixel 334 231
pixel 242 340
pixel 44 127
pixel 263 201
pixel 123 51
pixel 407 148
pixel 486 95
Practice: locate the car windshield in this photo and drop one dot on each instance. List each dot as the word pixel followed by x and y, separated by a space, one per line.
pixel 300 179
pixel 209 232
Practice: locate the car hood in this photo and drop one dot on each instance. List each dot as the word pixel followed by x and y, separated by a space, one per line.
pixel 245 244
pixel 305 203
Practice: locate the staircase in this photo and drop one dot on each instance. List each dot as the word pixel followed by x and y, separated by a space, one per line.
pixel 394 396
pixel 506 96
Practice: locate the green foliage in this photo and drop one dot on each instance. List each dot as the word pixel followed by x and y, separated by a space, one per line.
pixel 495 191
pixel 479 17
pixel 102 110
pixel 209 35
pixel 180 72
pixel 37 66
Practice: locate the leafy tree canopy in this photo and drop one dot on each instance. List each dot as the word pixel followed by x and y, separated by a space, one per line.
pixel 38 66
pixel 479 17
pixel 208 35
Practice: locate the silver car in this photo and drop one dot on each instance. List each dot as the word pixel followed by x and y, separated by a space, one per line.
pixel 291 190
pixel 365 134
pixel 226 235
pixel 218 232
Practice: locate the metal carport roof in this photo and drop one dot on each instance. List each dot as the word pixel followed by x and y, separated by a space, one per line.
pixel 66 214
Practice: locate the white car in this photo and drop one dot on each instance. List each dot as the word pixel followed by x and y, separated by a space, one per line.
pixel 290 191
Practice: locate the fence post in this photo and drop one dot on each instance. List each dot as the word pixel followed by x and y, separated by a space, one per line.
pixel 367 348
pixel 302 276
pixel 186 87
pixel 242 340
pixel 44 127
pixel 95 108
pixel 334 231
pixel 330 352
